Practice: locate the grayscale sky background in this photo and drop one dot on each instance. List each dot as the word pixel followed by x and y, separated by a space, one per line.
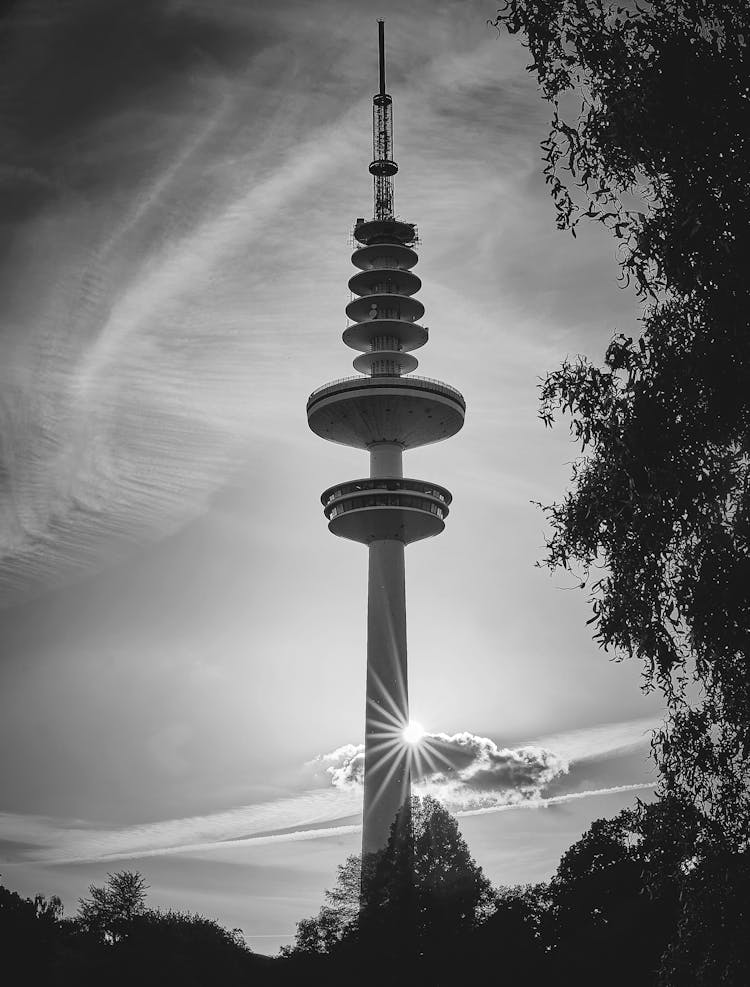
pixel 182 639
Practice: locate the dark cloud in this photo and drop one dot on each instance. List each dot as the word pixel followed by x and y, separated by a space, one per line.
pixel 477 763
pixel 463 769
pixel 116 371
pixel 71 71
pixel 72 64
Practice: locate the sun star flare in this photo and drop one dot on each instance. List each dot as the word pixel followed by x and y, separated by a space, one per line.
pixel 413 732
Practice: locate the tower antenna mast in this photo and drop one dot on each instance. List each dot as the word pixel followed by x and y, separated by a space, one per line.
pixel 382 167
pixel 381 49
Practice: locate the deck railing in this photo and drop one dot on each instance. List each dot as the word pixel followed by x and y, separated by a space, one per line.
pixel 412 383
pixel 389 484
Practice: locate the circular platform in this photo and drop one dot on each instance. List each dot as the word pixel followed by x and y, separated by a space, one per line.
pixel 375 509
pixel 394 256
pixel 393 306
pixel 381 230
pixel 365 362
pixel 409 411
pixel 360 336
pixel 383 166
pixel 379 281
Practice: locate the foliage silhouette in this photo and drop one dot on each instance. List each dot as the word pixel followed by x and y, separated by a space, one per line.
pixel 660 498
pixel 629 898
pixel 424 885
pixel 29 931
pixel 110 911
pixel 404 907
pixel 660 502
pixel 116 939
pixel 599 908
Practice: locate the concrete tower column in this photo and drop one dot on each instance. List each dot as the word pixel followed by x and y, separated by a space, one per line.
pixel 387 779
pixel 386 459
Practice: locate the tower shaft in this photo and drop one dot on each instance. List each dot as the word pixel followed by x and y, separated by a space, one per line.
pixel 387 776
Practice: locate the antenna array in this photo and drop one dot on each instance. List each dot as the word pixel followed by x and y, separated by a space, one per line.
pixel 382 167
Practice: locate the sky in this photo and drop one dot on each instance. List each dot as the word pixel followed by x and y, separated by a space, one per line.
pixel 183 642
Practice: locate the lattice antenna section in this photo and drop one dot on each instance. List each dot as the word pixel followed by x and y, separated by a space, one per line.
pixel 382 167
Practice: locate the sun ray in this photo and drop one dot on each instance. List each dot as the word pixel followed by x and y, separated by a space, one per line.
pixel 424 751
pixel 395 754
pixel 385 720
pixel 398 711
pixel 389 775
pixel 385 730
pixel 384 745
pixel 434 750
pixel 391 717
pixel 416 757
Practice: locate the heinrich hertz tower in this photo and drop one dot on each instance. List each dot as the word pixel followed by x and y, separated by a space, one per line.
pixel 385 411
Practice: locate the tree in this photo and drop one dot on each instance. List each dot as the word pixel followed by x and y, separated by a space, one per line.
pixel 338 917
pixel 514 937
pixel 660 499
pixel 111 909
pixel 452 895
pixel 119 941
pixel 711 945
pixel 704 886
pixel 607 902
pixel 420 894
pixel 174 947
pixel 30 931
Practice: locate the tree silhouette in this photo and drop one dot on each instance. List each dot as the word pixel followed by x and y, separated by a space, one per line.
pixel 110 910
pixel 419 897
pixel 29 932
pixel 660 503
pixel 515 937
pixel 337 919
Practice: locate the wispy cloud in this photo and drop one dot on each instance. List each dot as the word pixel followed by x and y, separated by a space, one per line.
pixel 542 803
pixel 137 842
pixel 589 743
pixel 134 355
pixel 60 841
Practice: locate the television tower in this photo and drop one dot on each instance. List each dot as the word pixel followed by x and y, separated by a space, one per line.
pixel 385 411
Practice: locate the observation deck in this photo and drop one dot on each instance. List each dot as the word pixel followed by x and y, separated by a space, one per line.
pixel 379 509
pixel 382 230
pixel 385 281
pixel 385 306
pixel 362 335
pixel 388 255
pixel 409 411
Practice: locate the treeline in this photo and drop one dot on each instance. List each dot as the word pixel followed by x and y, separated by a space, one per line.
pixel 115 939
pixel 646 898
pixel 637 901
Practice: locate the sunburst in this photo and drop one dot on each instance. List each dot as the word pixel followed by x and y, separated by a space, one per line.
pixel 413 733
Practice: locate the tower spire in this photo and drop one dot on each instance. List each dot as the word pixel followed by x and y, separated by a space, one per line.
pixel 381 51
pixel 382 167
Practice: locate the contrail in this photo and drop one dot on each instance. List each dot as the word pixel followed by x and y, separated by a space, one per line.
pixel 323 832
pixel 558 799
